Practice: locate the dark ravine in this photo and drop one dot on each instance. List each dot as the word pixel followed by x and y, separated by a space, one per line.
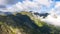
pixel 23 23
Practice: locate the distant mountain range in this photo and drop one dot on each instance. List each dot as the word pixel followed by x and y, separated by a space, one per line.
pixel 42 14
pixel 5 13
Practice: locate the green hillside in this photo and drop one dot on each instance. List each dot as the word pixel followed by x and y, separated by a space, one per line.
pixel 24 23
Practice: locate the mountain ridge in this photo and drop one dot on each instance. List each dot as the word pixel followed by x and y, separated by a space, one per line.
pixel 24 23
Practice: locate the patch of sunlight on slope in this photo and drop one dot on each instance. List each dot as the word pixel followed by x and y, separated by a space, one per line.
pixel 4 29
pixel 16 30
pixel 1 23
pixel 38 22
pixel 26 13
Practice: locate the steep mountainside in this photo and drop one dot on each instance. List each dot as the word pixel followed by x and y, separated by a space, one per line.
pixel 24 23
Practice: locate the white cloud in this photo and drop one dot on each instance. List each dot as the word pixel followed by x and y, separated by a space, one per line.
pixel 44 2
pixel 35 5
pixel 54 17
pixel 53 20
pixel 8 2
pixel 57 4
pixel 56 9
pixel 2 2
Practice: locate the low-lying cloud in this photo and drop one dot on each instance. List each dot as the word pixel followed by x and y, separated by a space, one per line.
pixel 54 17
pixel 53 20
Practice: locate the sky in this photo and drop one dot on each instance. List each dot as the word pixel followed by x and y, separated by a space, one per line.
pixel 28 5
pixel 40 6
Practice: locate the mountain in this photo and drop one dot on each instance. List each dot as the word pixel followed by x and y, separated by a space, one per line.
pixel 5 13
pixel 25 23
pixel 42 14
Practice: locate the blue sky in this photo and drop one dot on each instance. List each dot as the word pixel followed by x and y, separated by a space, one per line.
pixel 57 0
pixel 32 0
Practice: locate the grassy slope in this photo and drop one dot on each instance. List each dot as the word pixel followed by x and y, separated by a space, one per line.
pixel 24 23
